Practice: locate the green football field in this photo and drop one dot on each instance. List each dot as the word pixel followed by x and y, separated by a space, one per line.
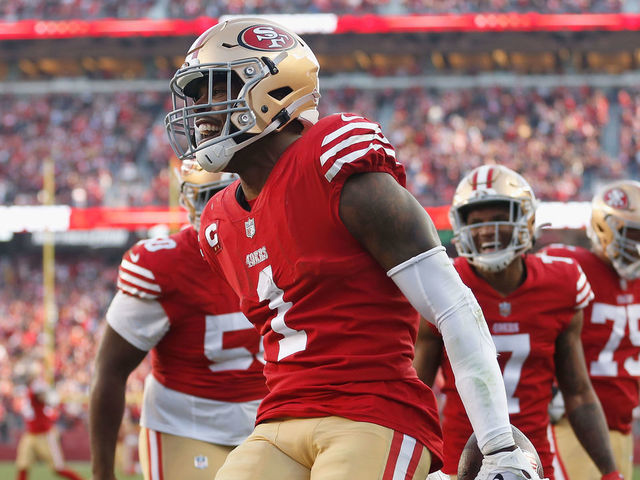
pixel 41 472
pixel 7 472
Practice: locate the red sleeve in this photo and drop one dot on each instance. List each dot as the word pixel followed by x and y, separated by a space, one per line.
pixel 353 144
pixel 142 270
pixel 565 271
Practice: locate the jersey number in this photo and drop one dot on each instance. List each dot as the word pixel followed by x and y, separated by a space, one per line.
pixel 293 340
pixel 238 358
pixel 519 346
pixel 161 243
pixel 605 365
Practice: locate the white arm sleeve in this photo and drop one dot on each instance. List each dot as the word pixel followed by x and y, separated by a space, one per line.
pixel 434 288
pixel 140 322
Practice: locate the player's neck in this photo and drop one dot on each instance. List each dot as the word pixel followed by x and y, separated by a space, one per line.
pixel 255 163
pixel 508 280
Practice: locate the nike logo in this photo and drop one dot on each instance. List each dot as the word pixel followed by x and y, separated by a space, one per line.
pixel 134 257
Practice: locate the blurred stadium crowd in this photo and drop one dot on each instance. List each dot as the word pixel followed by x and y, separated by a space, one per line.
pixel 111 149
pixel 87 286
pixel 89 9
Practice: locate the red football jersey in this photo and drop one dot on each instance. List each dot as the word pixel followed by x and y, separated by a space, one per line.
pixel 339 335
pixel 38 416
pixel 610 336
pixel 209 349
pixel 524 326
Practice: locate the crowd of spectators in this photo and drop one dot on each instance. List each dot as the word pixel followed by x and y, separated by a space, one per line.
pixel 551 136
pixel 112 150
pixel 98 143
pixel 84 288
pixel 11 10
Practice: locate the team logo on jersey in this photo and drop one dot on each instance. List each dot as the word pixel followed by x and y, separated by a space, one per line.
pixel 201 462
pixel 257 257
pixel 616 198
pixel 266 38
pixel 134 257
pixel 625 298
pixel 250 228
pixel 505 309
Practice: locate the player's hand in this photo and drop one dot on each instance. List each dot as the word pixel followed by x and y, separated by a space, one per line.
pixel 613 476
pixel 512 465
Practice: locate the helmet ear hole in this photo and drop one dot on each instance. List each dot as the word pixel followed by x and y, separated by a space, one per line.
pixel 280 93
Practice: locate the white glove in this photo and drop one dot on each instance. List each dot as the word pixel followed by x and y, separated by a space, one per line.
pixel 513 465
pixel 438 476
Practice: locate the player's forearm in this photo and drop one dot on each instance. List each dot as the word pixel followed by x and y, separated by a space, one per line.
pixel 106 408
pixel 434 288
pixel 589 424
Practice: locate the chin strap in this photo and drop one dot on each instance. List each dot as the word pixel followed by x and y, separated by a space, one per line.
pixel 280 119
pixel 224 151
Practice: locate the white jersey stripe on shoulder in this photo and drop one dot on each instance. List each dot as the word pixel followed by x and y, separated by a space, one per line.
pixel 337 165
pixel 154 287
pixel 132 267
pixel 586 301
pixel 347 118
pixel 404 457
pixel 347 128
pixel 583 288
pixel 135 291
pixel 352 140
pixel 582 294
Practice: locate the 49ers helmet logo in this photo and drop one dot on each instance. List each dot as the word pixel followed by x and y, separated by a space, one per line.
pixel 616 198
pixel 266 38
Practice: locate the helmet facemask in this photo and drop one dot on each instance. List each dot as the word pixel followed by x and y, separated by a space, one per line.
pixel 502 240
pixel 624 251
pixel 232 116
pixel 271 79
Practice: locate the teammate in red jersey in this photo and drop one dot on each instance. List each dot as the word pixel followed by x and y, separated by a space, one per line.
pixel 201 398
pixel 610 336
pixel 324 246
pixel 533 305
pixel 41 441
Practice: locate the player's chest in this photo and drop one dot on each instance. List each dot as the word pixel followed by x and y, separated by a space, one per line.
pixel 252 247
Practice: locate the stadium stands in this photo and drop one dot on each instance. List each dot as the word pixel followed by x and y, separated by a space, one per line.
pixel 111 149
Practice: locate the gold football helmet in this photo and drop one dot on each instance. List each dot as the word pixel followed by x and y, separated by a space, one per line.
pixel 493 185
pixel 614 229
pixel 270 76
pixel 197 186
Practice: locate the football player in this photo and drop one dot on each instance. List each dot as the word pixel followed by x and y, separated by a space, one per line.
pixel 610 335
pixel 41 441
pixel 533 305
pixel 201 397
pixel 329 255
